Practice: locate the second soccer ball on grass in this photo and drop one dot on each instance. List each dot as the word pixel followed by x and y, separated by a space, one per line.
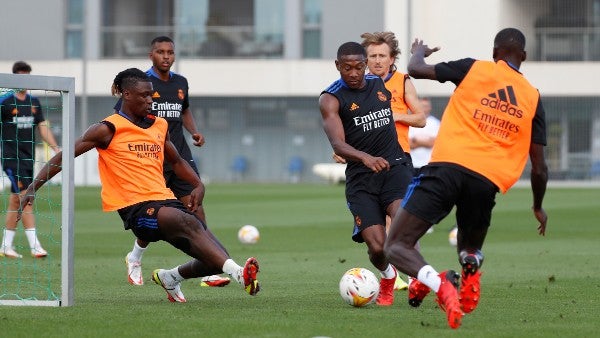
pixel 248 234
pixel 452 236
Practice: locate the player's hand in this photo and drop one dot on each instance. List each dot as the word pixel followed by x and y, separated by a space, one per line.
pixel 198 139
pixel 541 216
pixel 25 200
pixel 196 198
pixel 418 45
pixel 377 164
pixel 338 159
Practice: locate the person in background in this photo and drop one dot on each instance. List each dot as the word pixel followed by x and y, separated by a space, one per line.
pixel 422 139
pixel 21 115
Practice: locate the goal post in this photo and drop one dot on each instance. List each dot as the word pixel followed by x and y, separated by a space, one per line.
pixel 64 87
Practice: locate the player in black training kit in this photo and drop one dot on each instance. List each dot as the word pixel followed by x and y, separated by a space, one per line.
pixel 358 120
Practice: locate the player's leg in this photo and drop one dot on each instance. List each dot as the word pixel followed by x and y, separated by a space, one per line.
pixel 212 280
pixel 424 206
pixel 364 202
pixel 133 261
pixel 185 232
pixel 473 214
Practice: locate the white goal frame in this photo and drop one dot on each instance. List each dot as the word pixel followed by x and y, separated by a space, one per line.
pixel 66 87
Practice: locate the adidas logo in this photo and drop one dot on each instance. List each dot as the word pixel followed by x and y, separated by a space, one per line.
pixel 505 94
pixel 156 95
pixel 504 100
pixel 354 106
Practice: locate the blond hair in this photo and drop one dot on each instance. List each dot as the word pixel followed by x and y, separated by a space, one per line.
pixel 378 38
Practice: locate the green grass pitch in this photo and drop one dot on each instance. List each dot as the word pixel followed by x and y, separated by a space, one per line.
pixel 532 286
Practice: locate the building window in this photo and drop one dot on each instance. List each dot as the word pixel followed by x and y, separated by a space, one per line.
pixel 570 31
pixel 200 28
pixel 311 29
pixel 74 29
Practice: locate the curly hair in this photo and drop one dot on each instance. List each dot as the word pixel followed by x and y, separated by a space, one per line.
pixel 378 38
pixel 127 79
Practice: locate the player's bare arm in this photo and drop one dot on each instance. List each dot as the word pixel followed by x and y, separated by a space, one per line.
pixel 332 124
pixel 416 117
pixel 97 135
pixel 417 67
pixel 539 180
pixel 190 125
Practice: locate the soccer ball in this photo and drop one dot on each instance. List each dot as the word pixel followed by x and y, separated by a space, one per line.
pixel 452 236
pixel 359 287
pixel 248 234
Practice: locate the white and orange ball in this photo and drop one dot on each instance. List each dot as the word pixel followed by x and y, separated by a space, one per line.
pixel 248 234
pixel 452 236
pixel 359 287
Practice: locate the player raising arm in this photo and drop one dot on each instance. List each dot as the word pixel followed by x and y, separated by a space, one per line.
pixel 479 151
pixel 132 146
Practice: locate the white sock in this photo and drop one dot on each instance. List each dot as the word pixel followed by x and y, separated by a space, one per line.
pixel 234 270
pixel 32 238
pixel 174 273
pixel 389 272
pixel 136 254
pixel 428 276
pixel 7 239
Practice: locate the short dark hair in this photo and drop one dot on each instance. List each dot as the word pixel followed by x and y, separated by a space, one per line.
pixel 161 38
pixel 21 66
pixel 351 48
pixel 127 79
pixel 510 39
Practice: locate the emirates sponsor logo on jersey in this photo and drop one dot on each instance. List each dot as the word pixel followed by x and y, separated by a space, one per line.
pixel 354 106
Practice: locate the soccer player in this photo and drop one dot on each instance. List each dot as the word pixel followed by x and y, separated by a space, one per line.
pixel 171 102
pixel 21 115
pixel 382 52
pixel 132 146
pixel 493 120
pixel 358 120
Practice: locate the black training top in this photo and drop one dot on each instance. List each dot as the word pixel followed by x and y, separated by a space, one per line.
pixel 19 119
pixel 368 121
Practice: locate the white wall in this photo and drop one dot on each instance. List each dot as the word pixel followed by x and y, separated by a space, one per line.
pixel 302 78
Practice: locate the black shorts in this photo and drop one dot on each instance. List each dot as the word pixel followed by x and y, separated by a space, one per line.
pixel 178 186
pixel 369 194
pixel 437 189
pixel 20 177
pixel 142 218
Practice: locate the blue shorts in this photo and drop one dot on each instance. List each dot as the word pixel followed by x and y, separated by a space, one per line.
pixel 369 194
pixel 142 218
pixel 438 188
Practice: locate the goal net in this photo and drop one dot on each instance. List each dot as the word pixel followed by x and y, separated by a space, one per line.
pixel 25 279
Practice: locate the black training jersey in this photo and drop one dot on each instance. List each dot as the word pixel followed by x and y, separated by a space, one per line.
pixel 368 122
pixel 19 119
pixel 170 100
